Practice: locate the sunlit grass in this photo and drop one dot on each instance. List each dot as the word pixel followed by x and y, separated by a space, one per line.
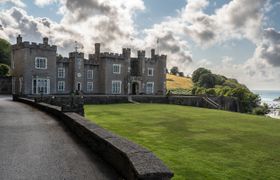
pixel 198 143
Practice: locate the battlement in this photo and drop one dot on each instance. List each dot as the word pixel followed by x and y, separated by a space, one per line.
pixel 33 45
pixel 111 55
pixel 76 55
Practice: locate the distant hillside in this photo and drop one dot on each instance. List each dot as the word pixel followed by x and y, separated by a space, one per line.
pixel 176 82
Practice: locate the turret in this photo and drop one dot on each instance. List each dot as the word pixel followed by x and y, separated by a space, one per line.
pixel 126 53
pixel 19 39
pixel 45 41
pixel 141 54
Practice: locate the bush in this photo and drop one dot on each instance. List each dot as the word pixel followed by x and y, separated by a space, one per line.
pixel 181 74
pixel 261 110
pixel 4 70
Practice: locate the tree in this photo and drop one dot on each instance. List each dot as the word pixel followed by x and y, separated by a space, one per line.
pixel 206 80
pixel 5 52
pixel 4 70
pixel 197 73
pixel 174 70
pixel 181 74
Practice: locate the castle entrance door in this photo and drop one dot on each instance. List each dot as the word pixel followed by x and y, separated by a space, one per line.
pixel 135 88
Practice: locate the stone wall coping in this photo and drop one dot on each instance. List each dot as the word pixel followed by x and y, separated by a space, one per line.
pixel 131 160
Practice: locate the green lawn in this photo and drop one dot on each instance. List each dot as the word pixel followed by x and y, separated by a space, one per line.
pixel 198 143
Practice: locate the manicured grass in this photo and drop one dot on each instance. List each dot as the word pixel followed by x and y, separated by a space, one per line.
pixel 198 143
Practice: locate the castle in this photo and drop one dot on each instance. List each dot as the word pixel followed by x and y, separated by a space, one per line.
pixel 36 69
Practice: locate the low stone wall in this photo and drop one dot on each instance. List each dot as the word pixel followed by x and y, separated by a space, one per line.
pixel 103 99
pixel 5 85
pixel 227 103
pixel 130 160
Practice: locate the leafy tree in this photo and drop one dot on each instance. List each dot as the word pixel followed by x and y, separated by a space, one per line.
pixel 206 80
pixel 174 70
pixel 181 74
pixel 219 80
pixel 197 73
pixel 5 52
pixel 4 70
pixel 213 84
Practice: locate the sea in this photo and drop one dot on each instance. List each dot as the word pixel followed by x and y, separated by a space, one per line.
pixel 268 97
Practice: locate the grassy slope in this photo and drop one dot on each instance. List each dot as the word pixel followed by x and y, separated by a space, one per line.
pixel 198 143
pixel 175 82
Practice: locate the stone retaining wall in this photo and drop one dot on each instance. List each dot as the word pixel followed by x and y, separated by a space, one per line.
pixel 130 160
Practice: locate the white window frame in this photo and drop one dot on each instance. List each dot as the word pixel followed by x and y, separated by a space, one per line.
pixel 90 74
pixel 61 70
pixel 89 84
pixel 47 89
pixel 59 83
pixel 150 91
pixel 117 68
pixel 152 70
pixel 118 88
pixel 38 63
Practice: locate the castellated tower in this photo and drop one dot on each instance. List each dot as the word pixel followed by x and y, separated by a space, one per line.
pixel 33 67
pixel 76 67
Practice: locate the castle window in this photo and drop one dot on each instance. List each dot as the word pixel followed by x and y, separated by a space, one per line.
pixel 116 68
pixel 150 88
pixel 90 74
pixel 60 85
pixel 116 87
pixel 61 73
pixel 41 63
pixel 41 85
pixel 90 86
pixel 150 71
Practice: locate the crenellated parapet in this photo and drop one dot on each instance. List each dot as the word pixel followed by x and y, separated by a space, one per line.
pixel 32 45
pixel 111 55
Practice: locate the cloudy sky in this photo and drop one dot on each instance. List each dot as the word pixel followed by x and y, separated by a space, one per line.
pixel 236 38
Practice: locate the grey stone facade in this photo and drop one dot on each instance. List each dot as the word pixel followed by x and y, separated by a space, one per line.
pixel 37 69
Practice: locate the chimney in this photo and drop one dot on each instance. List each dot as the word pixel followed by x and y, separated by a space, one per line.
pixel 153 52
pixel 97 49
pixel 19 39
pixel 45 41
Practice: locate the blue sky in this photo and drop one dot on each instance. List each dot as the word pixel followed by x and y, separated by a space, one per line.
pixel 237 38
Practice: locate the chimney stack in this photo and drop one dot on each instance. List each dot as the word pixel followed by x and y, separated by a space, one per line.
pixel 97 49
pixel 153 52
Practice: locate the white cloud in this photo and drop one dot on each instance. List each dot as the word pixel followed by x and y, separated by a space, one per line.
pixel 43 3
pixel 18 3
pixel 112 23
